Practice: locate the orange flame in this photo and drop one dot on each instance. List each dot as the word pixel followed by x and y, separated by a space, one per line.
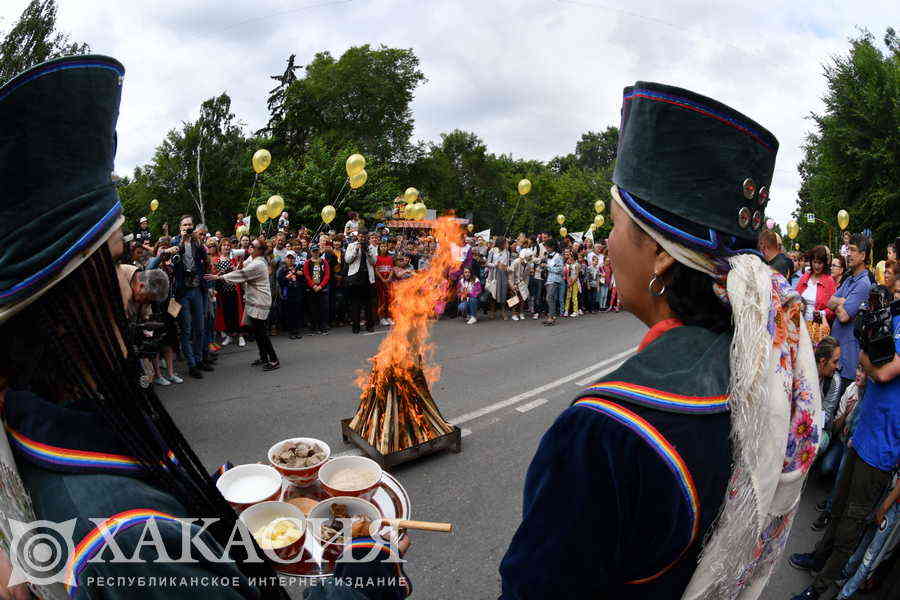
pixel 413 307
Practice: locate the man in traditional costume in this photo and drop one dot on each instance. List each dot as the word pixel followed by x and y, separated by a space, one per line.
pixel 678 475
pixel 87 440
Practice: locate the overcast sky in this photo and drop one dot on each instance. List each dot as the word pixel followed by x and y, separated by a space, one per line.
pixel 528 76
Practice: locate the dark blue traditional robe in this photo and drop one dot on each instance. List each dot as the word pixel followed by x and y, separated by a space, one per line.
pixel 628 480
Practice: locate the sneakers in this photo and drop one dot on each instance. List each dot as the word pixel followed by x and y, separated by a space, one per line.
pixel 821 506
pixel 195 373
pixel 174 378
pixel 564 314
pixel 807 594
pixel 323 332
pixel 536 317
pixel 271 366
pixel 226 340
pixel 515 317
pixel 241 341
pixel 806 562
pixel 384 322
pixel 162 381
pixel 471 321
pixel 389 321
pixel 822 522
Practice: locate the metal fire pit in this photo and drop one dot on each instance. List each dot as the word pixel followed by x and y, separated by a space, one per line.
pixel 451 441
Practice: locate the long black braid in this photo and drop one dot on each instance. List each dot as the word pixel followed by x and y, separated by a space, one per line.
pixel 78 327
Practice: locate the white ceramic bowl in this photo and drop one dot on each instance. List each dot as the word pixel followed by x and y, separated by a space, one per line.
pixel 246 485
pixel 300 476
pixel 328 470
pixel 321 513
pixel 260 515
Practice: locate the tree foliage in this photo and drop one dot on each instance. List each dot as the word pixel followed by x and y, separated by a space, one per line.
pixel 360 102
pixel 852 156
pixel 34 39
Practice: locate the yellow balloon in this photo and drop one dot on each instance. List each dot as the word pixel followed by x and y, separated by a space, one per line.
pixel 796 246
pixel 359 179
pixel 274 206
pixel 599 221
pixel 423 211
pixel 843 219
pixel 328 214
pixel 411 195
pixel 154 204
pixel 355 164
pixel 793 229
pixel 599 206
pixel 563 231
pixel 879 272
pixel 471 227
pixel 524 187
pixel 262 213
pixel 593 227
pixel 261 160
pixel 560 219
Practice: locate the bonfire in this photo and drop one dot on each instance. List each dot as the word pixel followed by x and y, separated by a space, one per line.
pixel 396 409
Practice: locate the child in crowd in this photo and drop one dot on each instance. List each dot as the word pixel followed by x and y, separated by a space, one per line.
pixel 573 287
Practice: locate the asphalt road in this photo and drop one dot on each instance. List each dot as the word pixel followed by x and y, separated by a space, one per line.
pixel 502 382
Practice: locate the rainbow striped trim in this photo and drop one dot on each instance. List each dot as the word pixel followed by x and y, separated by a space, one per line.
pixel 94 541
pixel 646 396
pixel 367 543
pixel 667 452
pixel 699 108
pixel 76 459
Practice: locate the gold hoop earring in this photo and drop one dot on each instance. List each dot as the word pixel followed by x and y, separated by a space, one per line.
pixel 653 280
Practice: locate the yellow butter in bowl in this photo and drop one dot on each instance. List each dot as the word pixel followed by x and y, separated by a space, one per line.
pixel 279 533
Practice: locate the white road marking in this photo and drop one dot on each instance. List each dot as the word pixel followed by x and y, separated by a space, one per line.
pixel 595 376
pixel 524 408
pixel 465 418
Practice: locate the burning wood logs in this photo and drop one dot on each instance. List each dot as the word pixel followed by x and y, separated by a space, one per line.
pixel 397 413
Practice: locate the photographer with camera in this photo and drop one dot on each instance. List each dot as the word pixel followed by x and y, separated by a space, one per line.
pixel 845 303
pixel 190 263
pixel 874 452
pixel 361 279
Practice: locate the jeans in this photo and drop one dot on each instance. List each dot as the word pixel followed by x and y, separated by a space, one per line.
pixel 858 489
pixel 292 312
pixel 829 502
pixel 863 561
pixel 603 294
pixel 561 298
pixel 534 294
pixel 832 459
pixel 191 321
pixel 468 307
pixel 553 299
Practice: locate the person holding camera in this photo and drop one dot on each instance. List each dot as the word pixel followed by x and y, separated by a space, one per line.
pixel 361 280
pixel 872 457
pixel 189 264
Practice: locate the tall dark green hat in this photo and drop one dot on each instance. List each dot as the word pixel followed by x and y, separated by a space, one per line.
pixel 58 202
pixel 693 168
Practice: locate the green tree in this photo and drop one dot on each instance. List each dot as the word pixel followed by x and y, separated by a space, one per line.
pixel 215 140
pixel 852 157
pixel 360 99
pixel 34 39
pixel 597 151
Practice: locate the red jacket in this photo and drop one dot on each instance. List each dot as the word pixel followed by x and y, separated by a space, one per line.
pixel 307 272
pixel 824 292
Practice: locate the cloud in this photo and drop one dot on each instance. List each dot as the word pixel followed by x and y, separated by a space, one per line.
pixel 529 77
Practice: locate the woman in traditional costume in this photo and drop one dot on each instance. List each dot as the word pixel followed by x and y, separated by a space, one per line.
pixel 678 475
pixel 88 442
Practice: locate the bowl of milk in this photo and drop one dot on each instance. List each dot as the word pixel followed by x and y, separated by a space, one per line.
pixel 246 485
